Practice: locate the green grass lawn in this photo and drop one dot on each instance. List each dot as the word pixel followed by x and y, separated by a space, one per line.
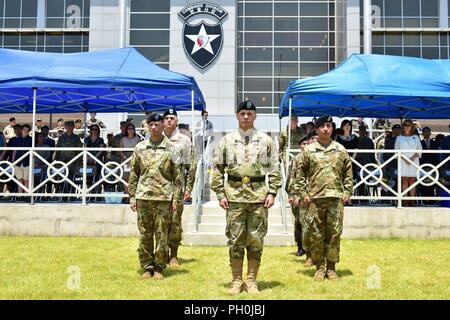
pixel 39 268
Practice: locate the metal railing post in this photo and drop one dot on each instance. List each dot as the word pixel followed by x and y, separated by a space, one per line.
pixel 399 180
pixel 84 188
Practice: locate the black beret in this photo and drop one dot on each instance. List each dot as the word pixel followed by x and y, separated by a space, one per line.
pixel 170 111
pixel 311 134
pixel 69 123
pixel 321 120
pixel 154 117
pixel 246 105
pixel 303 138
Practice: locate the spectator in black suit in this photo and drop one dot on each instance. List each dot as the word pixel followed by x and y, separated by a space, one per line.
pixel 428 158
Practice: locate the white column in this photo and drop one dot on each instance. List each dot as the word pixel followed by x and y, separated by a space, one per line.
pixel 367 26
pixel 40 23
pixel 443 13
pixel 353 27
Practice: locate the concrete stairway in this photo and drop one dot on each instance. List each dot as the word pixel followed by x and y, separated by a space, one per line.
pixel 212 223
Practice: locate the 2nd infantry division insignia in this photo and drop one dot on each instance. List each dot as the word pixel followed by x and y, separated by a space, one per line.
pixel 202 42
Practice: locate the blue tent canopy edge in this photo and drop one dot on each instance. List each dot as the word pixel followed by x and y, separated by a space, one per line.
pixel 374 86
pixel 114 80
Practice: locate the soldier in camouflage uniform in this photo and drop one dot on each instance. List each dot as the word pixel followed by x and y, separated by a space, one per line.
pixel 155 181
pixel 305 223
pixel 296 133
pixel 184 144
pixel 298 230
pixel 246 156
pixel 324 182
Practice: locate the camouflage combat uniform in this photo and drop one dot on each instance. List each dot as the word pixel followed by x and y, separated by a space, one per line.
pixel 246 190
pixel 176 231
pixel 66 141
pixel 296 135
pixel 154 182
pixel 296 211
pixel 325 175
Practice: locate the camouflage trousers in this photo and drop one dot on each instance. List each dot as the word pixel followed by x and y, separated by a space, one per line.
pixel 246 228
pixel 175 229
pixel 306 222
pixel 327 217
pixel 297 226
pixel 153 223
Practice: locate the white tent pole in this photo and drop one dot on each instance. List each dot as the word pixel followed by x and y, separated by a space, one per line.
pixel 85 125
pixel 33 145
pixel 192 115
pixel 288 147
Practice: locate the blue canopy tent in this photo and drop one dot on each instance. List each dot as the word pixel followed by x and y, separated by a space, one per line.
pixel 374 86
pixel 116 80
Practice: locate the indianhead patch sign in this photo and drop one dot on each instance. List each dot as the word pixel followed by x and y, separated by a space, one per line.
pixel 202 42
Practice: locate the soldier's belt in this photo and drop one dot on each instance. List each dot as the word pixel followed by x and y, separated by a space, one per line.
pixel 246 179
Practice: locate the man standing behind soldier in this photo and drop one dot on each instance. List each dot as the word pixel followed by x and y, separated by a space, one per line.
pixel 154 183
pixel 184 144
pixel 296 133
pixel 247 156
pixel 324 182
pixel 298 230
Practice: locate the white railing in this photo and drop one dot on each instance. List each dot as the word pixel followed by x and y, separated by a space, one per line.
pixel 83 177
pixel 370 179
pixel 88 177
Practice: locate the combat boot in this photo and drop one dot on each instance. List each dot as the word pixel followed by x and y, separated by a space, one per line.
pixel 331 272
pixel 237 285
pixel 147 274
pixel 173 257
pixel 308 263
pixel 158 275
pixel 320 273
pixel 253 267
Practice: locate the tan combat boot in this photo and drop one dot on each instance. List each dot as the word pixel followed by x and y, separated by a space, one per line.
pixel 331 272
pixel 253 267
pixel 237 285
pixel 320 273
pixel 158 275
pixel 308 263
pixel 173 257
pixel 147 274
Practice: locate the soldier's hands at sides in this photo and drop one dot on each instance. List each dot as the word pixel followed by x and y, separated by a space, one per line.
pixel 133 206
pixel 345 199
pixel 224 203
pixel 306 200
pixel 187 196
pixel 270 199
pixel 173 207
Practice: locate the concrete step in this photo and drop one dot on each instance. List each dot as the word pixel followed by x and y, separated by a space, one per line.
pixel 216 239
pixel 220 228
pixel 221 218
